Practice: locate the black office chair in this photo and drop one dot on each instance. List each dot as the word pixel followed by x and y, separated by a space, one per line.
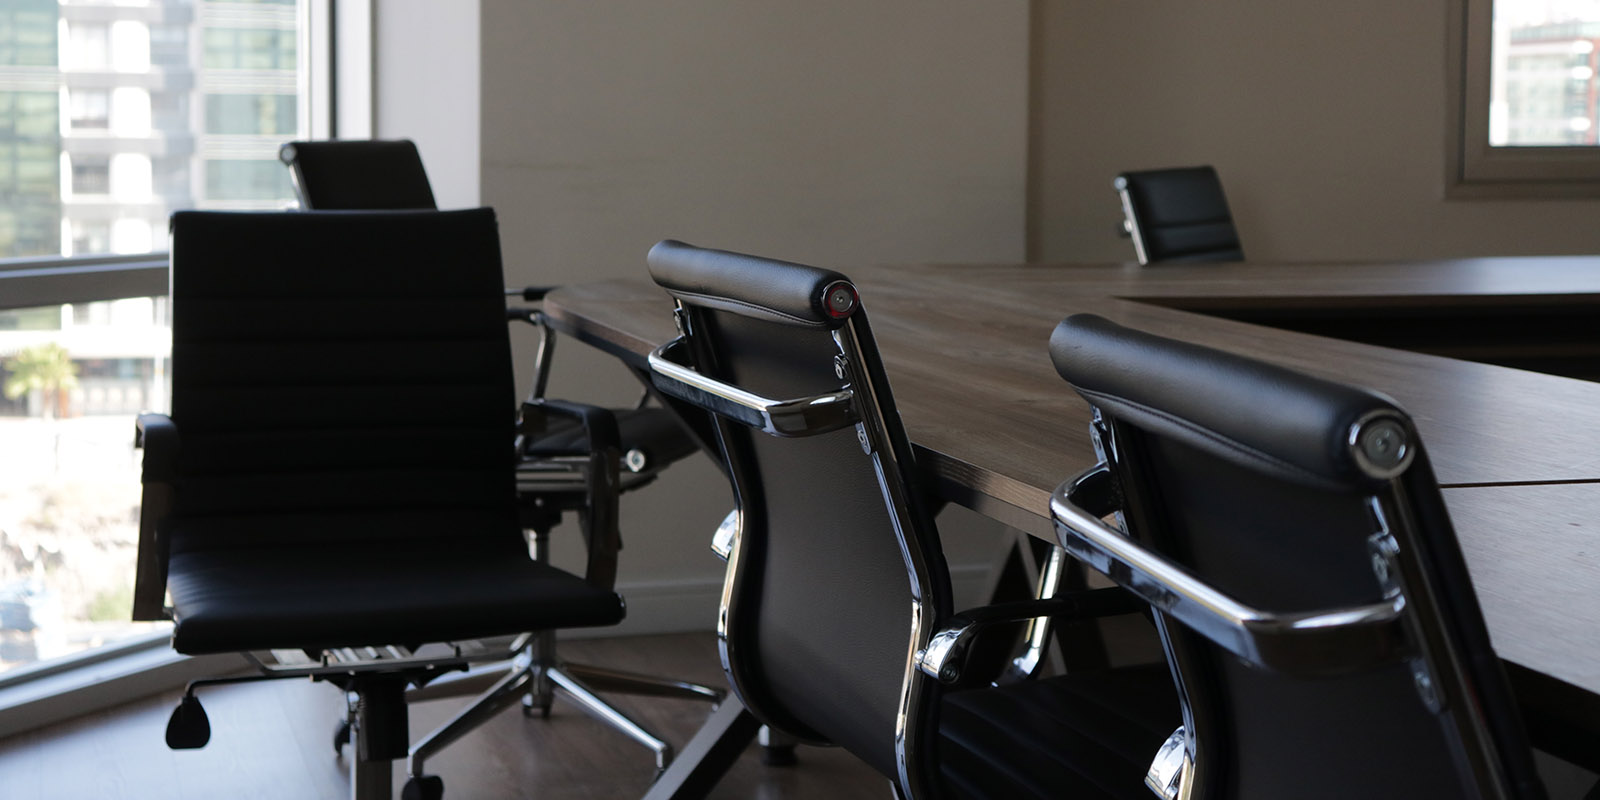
pixel 336 482
pixel 1310 593
pixel 836 623
pixel 551 475
pixel 1178 215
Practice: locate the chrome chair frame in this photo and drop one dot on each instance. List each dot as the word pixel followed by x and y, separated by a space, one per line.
pixel 938 649
pixel 854 404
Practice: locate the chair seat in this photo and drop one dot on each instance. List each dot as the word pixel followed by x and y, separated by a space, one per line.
pixel 255 599
pixel 655 432
pixel 1085 736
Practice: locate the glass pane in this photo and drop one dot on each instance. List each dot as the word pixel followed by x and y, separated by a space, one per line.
pixel 74 377
pixel 156 93
pixel 1543 73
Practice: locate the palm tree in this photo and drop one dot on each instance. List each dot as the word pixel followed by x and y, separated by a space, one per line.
pixel 45 367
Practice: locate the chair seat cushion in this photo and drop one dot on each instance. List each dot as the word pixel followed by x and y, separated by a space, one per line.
pixel 655 432
pixel 410 593
pixel 1083 736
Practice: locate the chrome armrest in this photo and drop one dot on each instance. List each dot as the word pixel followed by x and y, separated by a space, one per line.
pixel 946 654
pixel 1327 642
pixel 802 416
pixel 158 436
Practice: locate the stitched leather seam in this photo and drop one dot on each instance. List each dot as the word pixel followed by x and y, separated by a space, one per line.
pixel 752 306
pixel 1207 434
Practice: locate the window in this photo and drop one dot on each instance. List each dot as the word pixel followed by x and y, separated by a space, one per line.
pixel 1526 114
pixel 169 45
pixel 73 378
pixel 198 94
pixel 90 109
pixel 91 175
pixel 247 180
pixel 234 48
pixel 88 46
pixel 91 236
pixel 251 114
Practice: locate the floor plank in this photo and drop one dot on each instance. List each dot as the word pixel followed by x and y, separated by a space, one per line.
pixel 274 740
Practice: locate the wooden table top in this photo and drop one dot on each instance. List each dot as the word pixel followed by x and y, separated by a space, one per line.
pixel 998 430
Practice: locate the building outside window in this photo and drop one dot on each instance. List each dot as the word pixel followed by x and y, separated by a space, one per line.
pixel 1543 75
pixel 113 114
pixel 1528 111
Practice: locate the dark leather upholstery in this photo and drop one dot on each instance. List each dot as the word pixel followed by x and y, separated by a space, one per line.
pixel 1180 214
pixel 372 594
pixel 345 471
pixel 1221 467
pixel 1086 737
pixel 819 621
pixel 1151 381
pixel 359 174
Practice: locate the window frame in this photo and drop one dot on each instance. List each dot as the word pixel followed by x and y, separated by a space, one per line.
pixel 1476 169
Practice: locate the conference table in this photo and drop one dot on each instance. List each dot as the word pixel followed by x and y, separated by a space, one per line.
pixel 1455 342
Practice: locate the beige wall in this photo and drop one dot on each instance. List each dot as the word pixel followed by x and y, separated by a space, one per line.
pixel 830 131
pixel 1326 121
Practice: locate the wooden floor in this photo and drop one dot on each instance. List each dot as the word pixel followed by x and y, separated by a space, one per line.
pixel 274 740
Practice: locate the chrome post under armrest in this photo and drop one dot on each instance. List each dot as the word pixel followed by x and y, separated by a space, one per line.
pixel 1325 642
pixel 727 533
pixel 801 416
pixel 945 656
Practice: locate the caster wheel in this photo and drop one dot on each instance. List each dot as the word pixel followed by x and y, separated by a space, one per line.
pixel 780 755
pixel 189 728
pixel 529 704
pixel 341 736
pixel 423 787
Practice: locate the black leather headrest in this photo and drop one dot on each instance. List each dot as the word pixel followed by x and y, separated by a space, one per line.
pixel 762 288
pixel 1258 415
pixel 1178 196
pixel 359 174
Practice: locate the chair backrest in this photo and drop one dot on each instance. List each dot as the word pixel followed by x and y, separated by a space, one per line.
pixel 1178 214
pixel 836 576
pixel 1312 598
pixel 358 175
pixel 324 366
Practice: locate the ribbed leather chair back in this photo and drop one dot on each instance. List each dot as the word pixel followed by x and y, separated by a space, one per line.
pixel 820 611
pixel 1246 475
pixel 1179 215
pixel 323 362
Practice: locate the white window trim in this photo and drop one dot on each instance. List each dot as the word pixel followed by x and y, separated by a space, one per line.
pixel 1474 169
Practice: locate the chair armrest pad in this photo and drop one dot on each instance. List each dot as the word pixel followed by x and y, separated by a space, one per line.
pixel 946 654
pixel 157 434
